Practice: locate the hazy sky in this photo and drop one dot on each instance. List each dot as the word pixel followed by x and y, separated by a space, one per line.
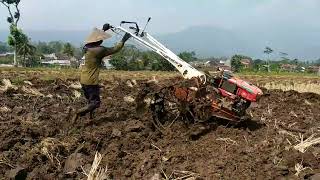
pixel 247 26
pixel 168 15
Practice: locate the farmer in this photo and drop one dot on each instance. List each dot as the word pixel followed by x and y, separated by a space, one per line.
pixel 89 78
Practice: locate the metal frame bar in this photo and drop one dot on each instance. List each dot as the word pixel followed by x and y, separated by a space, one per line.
pixel 150 42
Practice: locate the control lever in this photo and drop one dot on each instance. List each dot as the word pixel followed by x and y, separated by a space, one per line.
pixel 142 33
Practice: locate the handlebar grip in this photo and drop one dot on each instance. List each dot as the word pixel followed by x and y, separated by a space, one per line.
pixel 106 27
pixel 127 22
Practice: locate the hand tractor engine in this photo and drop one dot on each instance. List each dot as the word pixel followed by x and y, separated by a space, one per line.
pixel 197 96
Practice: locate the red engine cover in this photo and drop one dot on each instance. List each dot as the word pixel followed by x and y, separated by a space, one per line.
pixel 245 90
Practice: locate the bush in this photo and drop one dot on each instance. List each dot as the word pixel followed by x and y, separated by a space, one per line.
pixel 236 62
pixel 6 60
pixel 132 59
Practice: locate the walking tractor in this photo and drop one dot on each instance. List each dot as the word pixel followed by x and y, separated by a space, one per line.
pixel 197 96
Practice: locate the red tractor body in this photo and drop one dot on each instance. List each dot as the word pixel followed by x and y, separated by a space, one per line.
pixel 234 87
pixel 237 94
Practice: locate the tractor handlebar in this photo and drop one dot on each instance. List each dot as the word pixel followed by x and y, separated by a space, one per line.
pixel 136 28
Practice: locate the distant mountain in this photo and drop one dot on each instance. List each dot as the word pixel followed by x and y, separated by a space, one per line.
pixel 75 37
pixel 205 41
pixel 299 42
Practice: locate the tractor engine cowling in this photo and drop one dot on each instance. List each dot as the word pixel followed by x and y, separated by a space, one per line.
pixel 252 95
pixel 245 89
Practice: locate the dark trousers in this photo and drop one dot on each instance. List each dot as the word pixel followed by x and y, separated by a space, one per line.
pixel 92 94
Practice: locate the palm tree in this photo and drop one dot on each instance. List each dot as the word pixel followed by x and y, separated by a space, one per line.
pixel 68 49
pixel 27 51
pixel 13 19
pixel 268 51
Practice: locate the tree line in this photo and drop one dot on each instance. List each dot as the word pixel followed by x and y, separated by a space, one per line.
pixel 268 65
pixel 129 58
pixel 133 59
pixel 27 53
pixel 39 49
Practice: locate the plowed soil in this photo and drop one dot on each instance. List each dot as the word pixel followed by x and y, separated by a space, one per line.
pixel 39 141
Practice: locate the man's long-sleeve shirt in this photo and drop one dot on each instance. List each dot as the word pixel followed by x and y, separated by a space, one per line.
pixel 93 59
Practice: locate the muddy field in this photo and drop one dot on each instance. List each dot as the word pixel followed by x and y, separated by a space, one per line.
pixel 39 141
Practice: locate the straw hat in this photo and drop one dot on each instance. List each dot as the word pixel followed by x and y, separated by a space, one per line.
pixel 97 35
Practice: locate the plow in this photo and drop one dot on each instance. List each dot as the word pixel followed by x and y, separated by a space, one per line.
pixel 196 97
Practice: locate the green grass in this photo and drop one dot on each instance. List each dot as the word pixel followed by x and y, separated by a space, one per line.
pixel 5 60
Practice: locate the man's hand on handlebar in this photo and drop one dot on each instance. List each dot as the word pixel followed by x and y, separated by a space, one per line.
pixel 106 27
